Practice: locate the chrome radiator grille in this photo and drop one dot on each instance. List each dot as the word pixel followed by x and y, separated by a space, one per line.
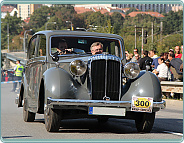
pixel 105 78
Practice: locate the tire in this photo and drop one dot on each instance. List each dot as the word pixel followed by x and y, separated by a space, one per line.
pixel 27 116
pixel 144 121
pixel 102 119
pixel 52 119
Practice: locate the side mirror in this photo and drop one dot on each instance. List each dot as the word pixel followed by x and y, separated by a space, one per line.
pixel 55 58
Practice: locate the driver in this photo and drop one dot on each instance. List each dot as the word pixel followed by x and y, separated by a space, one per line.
pixel 63 48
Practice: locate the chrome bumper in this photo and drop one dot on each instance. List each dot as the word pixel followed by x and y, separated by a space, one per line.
pixel 99 103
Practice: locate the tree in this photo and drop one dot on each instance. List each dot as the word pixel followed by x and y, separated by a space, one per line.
pixel 14 24
pixel 117 22
pixel 39 17
pixel 173 21
pixel 95 19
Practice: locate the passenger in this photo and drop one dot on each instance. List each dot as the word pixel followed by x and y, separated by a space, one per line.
pixel 96 48
pixel 162 70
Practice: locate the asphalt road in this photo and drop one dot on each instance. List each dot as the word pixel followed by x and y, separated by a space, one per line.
pixel 168 124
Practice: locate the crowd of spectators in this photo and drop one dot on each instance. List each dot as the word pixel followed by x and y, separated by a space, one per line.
pixel 167 66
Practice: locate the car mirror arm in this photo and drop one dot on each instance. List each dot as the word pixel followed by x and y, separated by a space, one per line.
pixel 55 58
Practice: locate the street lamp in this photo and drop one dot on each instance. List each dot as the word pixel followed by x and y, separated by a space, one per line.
pixel 7 33
pixel 71 24
pixel 48 23
pixel 25 39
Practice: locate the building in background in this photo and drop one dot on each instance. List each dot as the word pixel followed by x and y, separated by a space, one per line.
pixel 177 8
pixel 103 8
pixel 7 9
pixel 25 10
pixel 161 8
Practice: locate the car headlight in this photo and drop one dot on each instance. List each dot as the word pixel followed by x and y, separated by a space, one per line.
pixel 131 70
pixel 78 67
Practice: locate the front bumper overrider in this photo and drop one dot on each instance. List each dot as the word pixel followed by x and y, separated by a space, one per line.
pixel 98 103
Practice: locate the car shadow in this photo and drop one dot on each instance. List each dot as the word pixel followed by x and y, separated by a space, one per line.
pixel 13 137
pixel 116 126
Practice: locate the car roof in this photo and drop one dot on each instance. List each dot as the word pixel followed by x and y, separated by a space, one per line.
pixel 77 33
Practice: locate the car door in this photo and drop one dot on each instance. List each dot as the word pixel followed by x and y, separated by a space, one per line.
pixel 30 69
pixel 39 65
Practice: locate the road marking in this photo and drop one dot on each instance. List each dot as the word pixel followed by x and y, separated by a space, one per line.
pixel 178 134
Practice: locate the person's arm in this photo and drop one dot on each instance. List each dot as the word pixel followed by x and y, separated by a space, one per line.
pixel 155 71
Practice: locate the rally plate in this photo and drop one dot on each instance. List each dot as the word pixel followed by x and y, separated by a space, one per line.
pixel 142 104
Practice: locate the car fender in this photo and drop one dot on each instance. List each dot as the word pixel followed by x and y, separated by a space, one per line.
pixel 59 84
pixel 147 85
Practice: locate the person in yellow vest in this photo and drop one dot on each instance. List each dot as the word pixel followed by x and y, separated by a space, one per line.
pixel 18 74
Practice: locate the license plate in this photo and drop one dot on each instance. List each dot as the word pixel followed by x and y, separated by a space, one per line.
pixel 142 104
pixel 107 111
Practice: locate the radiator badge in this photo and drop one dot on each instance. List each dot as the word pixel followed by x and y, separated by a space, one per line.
pixel 106 98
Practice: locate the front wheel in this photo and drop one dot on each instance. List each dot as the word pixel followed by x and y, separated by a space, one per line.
pixel 27 116
pixel 144 121
pixel 52 119
pixel 102 119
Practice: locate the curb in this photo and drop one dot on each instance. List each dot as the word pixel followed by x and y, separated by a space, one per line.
pixel 178 103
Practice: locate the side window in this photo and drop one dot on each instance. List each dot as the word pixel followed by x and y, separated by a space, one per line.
pixel 41 46
pixel 31 48
pixel 113 48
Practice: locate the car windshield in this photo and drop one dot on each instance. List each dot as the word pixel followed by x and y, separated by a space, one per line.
pixel 81 45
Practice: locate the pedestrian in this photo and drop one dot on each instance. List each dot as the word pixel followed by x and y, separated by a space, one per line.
pixel 162 70
pixel 145 62
pixel 175 64
pixel 18 74
pixel 134 58
pixel 155 61
pixel 129 58
pixel 152 54
pixel 137 58
pixel 171 51
pixel 182 52
pixel 6 76
pixel 177 52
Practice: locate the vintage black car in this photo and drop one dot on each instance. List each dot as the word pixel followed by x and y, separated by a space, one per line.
pixel 78 84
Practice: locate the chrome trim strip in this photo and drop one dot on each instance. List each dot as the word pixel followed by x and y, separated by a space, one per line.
pixel 77 102
pixel 105 80
pixel 105 57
